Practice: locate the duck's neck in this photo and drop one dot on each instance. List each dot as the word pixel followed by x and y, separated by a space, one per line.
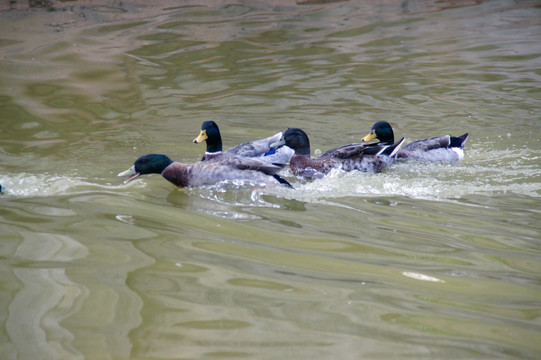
pixel 303 151
pixel 214 145
pixel 298 157
pixel 213 155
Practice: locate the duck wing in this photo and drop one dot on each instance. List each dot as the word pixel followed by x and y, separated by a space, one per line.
pixel 438 148
pixel 350 150
pixel 254 148
pixel 228 168
pixel 432 143
pixel 248 163
pixel 355 150
pixel 280 155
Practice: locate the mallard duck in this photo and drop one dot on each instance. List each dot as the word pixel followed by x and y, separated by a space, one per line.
pixel 205 172
pixel 438 148
pixel 349 157
pixel 257 148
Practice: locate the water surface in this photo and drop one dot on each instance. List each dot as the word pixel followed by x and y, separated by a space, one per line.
pixel 422 261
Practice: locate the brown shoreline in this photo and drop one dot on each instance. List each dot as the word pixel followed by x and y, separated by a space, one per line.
pixel 59 15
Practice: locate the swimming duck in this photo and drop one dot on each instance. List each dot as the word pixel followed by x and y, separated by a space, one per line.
pixel 348 158
pixel 257 148
pixel 438 148
pixel 205 172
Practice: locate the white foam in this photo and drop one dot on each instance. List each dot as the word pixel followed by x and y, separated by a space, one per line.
pixel 481 173
pixel 422 180
pixel 29 185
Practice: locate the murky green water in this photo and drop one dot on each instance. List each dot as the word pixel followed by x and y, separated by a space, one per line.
pixel 422 261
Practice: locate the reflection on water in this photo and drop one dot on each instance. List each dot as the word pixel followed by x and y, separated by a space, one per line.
pixel 426 260
pixel 46 296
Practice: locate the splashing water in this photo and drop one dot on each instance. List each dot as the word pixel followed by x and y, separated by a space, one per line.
pixel 486 173
pixel 482 173
pixel 29 185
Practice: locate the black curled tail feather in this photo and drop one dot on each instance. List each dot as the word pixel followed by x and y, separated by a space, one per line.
pixel 282 181
pixel 458 141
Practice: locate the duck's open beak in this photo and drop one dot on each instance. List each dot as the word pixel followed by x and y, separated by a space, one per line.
pixel 371 136
pixel 131 173
pixel 202 137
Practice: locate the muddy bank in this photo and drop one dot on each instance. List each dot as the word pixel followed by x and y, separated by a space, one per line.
pixel 59 15
pixel 49 16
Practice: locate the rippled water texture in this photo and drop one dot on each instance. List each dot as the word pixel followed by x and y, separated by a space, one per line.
pixel 426 260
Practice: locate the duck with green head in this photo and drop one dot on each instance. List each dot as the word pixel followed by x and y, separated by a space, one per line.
pixel 438 148
pixel 347 158
pixel 205 172
pixel 210 133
